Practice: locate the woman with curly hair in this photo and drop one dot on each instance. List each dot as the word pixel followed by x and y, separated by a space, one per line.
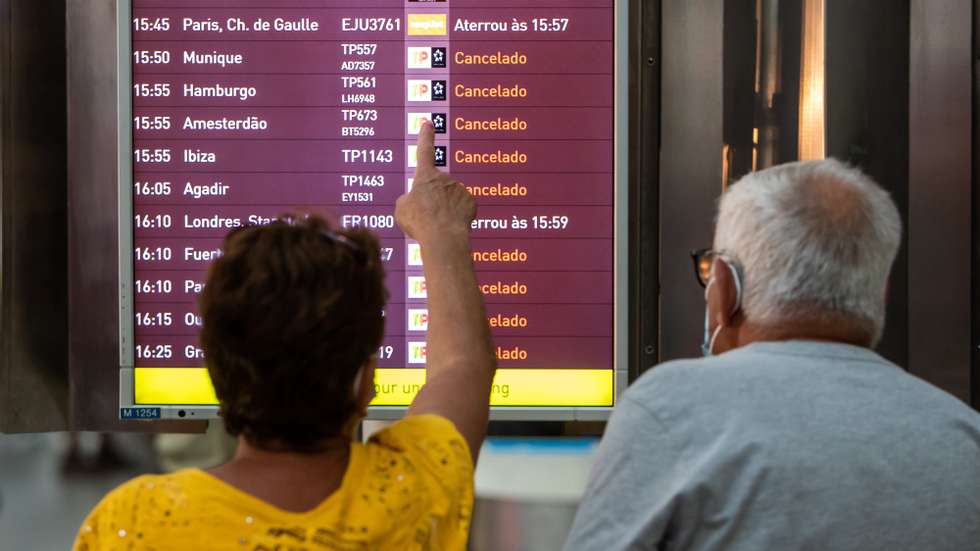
pixel 293 314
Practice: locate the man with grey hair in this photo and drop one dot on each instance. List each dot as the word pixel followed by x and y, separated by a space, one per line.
pixel 793 434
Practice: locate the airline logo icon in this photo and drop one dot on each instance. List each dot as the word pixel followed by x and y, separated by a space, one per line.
pixel 415 121
pixel 416 353
pixel 438 90
pixel 414 254
pixel 419 90
pixel 440 155
pixel 426 90
pixel 416 287
pixel 418 320
pixel 439 122
pixel 426 58
pixel 426 24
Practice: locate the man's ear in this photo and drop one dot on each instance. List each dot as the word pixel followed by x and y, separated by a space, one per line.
pixel 724 295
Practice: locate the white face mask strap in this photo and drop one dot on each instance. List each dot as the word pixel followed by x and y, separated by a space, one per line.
pixel 711 343
pixel 708 346
pixel 738 286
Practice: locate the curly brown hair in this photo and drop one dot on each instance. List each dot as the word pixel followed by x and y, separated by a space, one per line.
pixel 291 312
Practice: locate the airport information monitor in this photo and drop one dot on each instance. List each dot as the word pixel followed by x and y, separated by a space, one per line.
pixel 233 112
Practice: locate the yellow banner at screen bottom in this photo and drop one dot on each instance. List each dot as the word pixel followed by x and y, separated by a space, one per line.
pixel 397 387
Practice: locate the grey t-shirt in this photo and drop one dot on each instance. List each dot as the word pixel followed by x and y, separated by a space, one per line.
pixel 784 446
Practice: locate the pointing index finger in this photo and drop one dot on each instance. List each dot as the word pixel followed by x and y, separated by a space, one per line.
pixel 425 162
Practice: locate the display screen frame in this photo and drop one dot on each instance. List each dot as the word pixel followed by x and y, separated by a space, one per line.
pixel 129 410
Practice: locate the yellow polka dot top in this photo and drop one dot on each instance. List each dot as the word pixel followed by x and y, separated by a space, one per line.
pixel 409 488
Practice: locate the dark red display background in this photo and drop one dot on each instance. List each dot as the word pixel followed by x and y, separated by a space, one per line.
pixel 561 223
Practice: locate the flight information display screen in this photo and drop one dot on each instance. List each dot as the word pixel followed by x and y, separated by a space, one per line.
pixel 244 110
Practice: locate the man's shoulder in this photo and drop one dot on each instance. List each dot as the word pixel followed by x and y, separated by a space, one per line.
pixel 677 375
pixel 778 375
pixel 765 364
pixel 760 376
pixel 677 389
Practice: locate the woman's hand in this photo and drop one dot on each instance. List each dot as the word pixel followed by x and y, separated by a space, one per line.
pixel 438 208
